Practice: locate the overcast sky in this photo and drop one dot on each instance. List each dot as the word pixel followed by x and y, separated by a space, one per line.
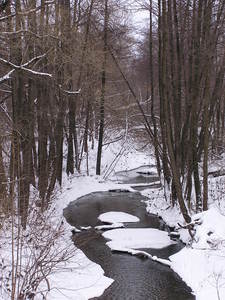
pixel 140 20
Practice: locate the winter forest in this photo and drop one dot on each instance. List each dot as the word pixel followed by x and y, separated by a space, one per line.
pixel 112 113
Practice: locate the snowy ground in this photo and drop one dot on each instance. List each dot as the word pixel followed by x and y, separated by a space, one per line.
pixel 201 265
pixel 78 278
pixel 87 279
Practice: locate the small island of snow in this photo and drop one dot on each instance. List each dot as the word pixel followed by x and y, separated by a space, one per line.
pixel 137 238
pixel 113 217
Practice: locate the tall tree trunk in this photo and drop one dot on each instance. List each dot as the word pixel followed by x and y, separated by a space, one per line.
pixel 102 100
pixel 195 103
pixel 151 83
pixel 171 152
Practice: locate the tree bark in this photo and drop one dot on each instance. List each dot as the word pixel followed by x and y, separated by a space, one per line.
pixel 102 99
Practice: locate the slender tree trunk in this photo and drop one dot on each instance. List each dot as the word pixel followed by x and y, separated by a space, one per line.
pixel 165 162
pixel 102 100
pixel 195 101
pixel 151 82
pixel 3 183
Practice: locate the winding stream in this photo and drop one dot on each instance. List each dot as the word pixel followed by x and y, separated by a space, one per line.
pixel 134 278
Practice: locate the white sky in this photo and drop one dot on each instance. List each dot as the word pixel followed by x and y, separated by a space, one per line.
pixel 140 20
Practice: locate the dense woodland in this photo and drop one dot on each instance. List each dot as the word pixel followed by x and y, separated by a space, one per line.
pixel 73 76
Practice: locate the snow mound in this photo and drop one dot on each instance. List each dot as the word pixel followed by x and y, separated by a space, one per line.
pixel 137 238
pixel 81 280
pixel 203 271
pixel 117 217
pixel 211 233
pixel 202 266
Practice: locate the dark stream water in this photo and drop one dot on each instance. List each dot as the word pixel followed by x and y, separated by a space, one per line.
pixel 134 278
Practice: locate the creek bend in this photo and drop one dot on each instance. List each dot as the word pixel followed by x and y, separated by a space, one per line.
pixel 134 278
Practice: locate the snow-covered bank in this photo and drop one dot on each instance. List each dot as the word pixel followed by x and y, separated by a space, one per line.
pixel 49 264
pixel 203 271
pixel 77 279
pixel 45 254
pixel 80 278
pixel 201 264
pixel 70 276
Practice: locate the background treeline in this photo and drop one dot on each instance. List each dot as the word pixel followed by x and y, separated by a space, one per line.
pixel 69 74
pixel 54 58
pixel 181 67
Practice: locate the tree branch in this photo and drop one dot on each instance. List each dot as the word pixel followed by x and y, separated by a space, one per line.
pixel 23 67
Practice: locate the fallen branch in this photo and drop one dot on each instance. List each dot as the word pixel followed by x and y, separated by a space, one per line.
pixel 143 254
pixel 110 226
pixel 190 227
pixel 217 173
pixel 191 224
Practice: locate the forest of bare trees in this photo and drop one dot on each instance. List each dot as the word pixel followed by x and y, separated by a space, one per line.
pixel 75 78
pixel 184 54
pixel 64 68
pixel 54 63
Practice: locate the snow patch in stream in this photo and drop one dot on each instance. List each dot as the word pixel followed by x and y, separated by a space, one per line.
pixel 113 217
pixel 137 238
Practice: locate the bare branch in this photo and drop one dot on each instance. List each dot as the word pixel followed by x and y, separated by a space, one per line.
pixel 70 92
pixel 6 76
pixel 24 67
pixel 25 13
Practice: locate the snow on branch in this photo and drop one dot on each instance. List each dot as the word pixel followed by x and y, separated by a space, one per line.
pixel 6 76
pixel 70 92
pixel 34 59
pixel 36 73
pixel 24 67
